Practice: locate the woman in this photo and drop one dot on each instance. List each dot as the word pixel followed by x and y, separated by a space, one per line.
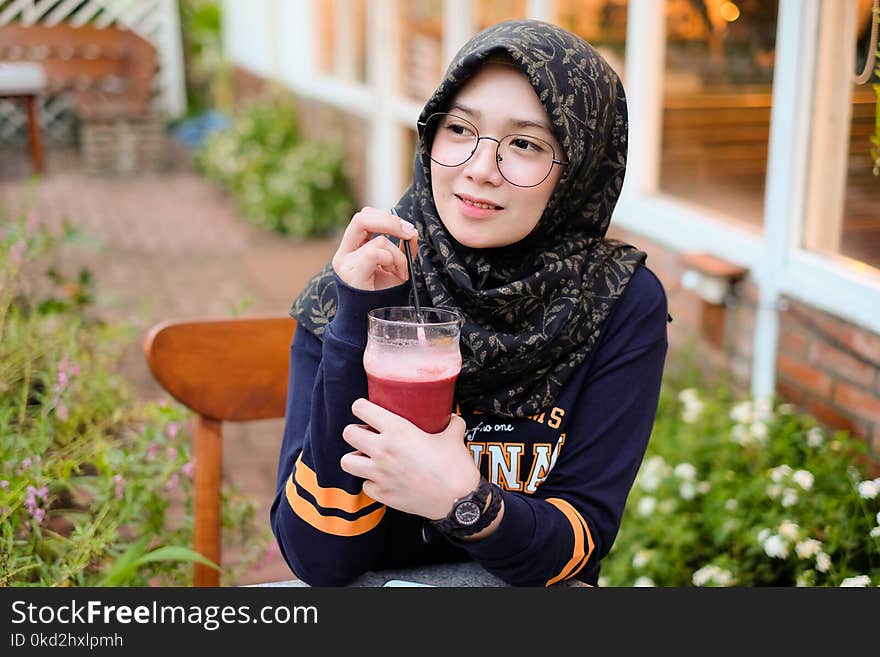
pixel 520 163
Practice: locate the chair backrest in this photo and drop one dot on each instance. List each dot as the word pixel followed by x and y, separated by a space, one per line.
pixel 109 70
pixel 223 370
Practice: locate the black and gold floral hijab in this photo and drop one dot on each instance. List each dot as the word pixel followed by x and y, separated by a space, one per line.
pixel 534 310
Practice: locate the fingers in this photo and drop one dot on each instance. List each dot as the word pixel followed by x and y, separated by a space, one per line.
pixel 357 464
pixel 378 253
pixel 374 415
pixel 370 221
pixel 361 437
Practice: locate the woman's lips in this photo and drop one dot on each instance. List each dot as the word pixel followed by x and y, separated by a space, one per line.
pixel 476 209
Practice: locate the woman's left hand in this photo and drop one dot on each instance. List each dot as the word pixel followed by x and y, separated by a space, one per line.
pixel 406 468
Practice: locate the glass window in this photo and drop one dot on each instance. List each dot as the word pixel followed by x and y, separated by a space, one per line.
pixel 342 38
pixel 489 12
pixel 858 234
pixel 717 99
pixel 601 22
pixel 421 47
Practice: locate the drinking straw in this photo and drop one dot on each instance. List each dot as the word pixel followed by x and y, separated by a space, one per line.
pixel 412 280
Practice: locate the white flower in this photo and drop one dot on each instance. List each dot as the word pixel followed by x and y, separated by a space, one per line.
pixel 869 489
pixel 652 472
pixel 741 413
pixel 688 395
pixel 815 437
pixel 788 529
pixel 789 497
pixel 780 473
pixel 685 471
pixel 875 533
pixel 641 558
pixel 802 580
pixel 858 580
pixel 603 581
pixel 731 504
pixel 775 547
pixel 786 409
pixel 740 435
pixel 703 487
pixel 687 490
pixel 712 574
pixel 808 548
pixel 763 408
pixel 644 582
pixel 877 518
pixel 803 478
pixel 692 412
pixel 763 535
pixel 647 505
pixel 759 432
pixel 823 562
pixel 774 491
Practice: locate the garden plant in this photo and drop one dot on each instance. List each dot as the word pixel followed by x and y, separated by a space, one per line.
pixel 747 492
pixel 95 485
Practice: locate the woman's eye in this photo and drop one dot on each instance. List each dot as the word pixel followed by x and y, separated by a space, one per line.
pixel 459 129
pixel 525 144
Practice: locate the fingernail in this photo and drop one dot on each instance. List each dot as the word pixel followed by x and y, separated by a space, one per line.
pixel 407 227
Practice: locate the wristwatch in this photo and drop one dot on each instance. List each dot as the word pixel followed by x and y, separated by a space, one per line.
pixel 470 514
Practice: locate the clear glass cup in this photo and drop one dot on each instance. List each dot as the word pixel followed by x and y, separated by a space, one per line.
pixel 412 366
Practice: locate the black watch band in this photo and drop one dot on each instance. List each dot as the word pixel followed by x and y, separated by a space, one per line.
pixel 470 514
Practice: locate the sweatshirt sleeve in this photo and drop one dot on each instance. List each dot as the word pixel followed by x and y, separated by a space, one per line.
pixel 328 530
pixel 570 523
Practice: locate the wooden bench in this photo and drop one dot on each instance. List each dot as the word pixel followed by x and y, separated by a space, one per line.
pixel 230 370
pixel 108 72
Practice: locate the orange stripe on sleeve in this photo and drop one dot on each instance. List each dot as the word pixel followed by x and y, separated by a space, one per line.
pixel 579 527
pixel 329 498
pixel 330 524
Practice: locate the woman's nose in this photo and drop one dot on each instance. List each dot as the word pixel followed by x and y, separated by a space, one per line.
pixel 483 164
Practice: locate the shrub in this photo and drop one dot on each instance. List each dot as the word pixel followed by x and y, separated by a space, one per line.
pixel 747 493
pixel 95 486
pixel 279 180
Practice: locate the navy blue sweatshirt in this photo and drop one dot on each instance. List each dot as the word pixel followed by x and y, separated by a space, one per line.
pixel 565 473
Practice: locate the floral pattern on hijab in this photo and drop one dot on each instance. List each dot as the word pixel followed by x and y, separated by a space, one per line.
pixel 533 311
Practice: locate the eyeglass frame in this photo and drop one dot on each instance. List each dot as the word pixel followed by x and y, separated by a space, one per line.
pixel 498 158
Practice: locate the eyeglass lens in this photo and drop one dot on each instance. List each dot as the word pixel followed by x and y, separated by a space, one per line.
pixel 523 160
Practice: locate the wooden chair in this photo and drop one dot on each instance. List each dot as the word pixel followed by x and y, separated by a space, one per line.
pixel 223 370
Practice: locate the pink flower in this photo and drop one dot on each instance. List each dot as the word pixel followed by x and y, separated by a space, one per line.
pixel 189 468
pixel 171 484
pixel 152 451
pixel 25 463
pixel 172 429
pixel 39 515
pixel 62 412
pixel 120 486
pixel 4 484
pixel 33 220
pixel 172 453
pixel 16 251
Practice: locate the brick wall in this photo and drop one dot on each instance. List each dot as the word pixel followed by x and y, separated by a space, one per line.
pixel 826 366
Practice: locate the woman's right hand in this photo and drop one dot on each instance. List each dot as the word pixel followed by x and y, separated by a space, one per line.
pixel 374 263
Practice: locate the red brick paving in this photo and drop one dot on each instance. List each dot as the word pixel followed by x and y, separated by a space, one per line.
pixel 171 246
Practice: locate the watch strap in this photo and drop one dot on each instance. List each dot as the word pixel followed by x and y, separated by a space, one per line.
pixel 450 527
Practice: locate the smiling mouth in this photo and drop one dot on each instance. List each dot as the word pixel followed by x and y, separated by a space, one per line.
pixel 478 204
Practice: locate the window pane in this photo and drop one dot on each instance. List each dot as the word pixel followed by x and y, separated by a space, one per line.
pixel 861 215
pixel 421 30
pixel 601 22
pixel 342 38
pixel 717 97
pixel 490 12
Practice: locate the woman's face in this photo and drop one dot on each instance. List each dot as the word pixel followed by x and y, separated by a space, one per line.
pixel 476 204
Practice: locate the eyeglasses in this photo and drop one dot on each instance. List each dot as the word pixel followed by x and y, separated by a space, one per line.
pixel 523 160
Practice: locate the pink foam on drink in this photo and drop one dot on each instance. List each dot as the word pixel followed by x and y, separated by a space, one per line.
pixel 417 383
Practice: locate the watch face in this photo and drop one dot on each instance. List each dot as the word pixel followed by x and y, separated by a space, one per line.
pixel 467 513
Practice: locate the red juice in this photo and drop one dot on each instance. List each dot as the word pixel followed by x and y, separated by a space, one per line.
pixel 426 402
